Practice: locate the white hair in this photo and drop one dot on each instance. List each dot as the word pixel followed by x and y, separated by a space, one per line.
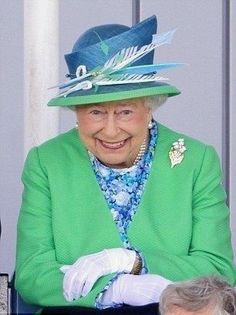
pixel 203 293
pixel 153 102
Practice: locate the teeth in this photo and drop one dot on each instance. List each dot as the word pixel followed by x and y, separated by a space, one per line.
pixel 114 145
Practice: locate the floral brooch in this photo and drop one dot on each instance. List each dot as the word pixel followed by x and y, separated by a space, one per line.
pixel 176 153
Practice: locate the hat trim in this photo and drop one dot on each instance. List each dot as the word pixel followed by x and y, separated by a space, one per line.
pixel 114 96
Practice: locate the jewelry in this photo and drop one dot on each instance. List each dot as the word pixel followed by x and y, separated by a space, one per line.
pixel 137 267
pixel 141 152
pixel 176 153
pixel 150 124
pixel 76 125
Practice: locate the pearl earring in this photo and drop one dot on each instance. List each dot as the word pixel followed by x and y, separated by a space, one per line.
pixel 76 125
pixel 150 124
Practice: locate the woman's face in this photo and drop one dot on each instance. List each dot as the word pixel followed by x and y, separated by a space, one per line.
pixel 114 131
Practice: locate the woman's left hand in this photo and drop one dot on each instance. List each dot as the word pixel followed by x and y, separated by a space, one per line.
pixel 135 290
pixel 81 276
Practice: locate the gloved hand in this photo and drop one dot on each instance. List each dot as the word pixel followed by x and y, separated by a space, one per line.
pixel 135 290
pixel 80 277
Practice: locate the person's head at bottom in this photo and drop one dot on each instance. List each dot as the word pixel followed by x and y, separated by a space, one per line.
pixel 202 296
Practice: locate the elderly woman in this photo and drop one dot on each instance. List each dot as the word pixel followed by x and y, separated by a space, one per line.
pixel 120 206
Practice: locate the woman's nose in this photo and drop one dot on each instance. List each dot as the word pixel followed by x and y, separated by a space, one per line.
pixel 111 128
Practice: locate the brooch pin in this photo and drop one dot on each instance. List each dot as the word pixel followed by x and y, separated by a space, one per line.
pixel 176 153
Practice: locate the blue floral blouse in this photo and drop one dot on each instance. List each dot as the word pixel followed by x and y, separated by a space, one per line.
pixel 123 189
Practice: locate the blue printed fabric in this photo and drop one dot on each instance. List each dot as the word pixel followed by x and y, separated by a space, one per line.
pixel 123 189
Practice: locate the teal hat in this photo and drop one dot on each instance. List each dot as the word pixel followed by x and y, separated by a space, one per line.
pixel 115 62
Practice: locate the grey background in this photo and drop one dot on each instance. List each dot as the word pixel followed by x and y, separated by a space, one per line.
pixel 204 110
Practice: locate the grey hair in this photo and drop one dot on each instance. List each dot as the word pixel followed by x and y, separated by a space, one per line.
pixel 198 294
pixel 152 102
pixel 70 107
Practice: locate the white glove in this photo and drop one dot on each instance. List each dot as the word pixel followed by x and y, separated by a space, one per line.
pixel 135 290
pixel 80 277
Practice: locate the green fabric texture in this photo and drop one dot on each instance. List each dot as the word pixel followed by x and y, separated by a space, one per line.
pixel 96 97
pixel 181 225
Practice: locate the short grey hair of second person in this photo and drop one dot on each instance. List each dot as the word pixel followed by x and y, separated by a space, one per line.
pixel 197 294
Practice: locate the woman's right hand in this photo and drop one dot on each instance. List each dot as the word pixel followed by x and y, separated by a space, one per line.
pixel 81 276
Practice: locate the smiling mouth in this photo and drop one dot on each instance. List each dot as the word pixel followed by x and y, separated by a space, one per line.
pixel 113 145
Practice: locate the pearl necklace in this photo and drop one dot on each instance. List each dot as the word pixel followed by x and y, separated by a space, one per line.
pixel 141 152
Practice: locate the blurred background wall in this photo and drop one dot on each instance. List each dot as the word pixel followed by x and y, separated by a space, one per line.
pixel 35 35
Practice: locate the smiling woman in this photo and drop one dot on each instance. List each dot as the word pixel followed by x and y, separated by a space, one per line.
pixel 115 132
pixel 118 208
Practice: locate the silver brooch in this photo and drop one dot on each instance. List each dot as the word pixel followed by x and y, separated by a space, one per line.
pixel 176 153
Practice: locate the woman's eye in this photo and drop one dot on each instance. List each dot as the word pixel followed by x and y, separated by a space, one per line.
pixel 96 112
pixel 126 112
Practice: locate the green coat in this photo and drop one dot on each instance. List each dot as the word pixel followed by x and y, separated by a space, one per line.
pixel 181 225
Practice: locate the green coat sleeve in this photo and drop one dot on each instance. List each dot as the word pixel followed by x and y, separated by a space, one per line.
pixel 210 251
pixel 38 278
